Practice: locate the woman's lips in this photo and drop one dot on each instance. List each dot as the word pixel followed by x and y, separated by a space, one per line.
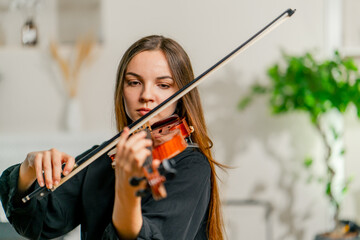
pixel 143 111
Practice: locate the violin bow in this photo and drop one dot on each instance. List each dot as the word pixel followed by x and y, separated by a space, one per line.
pixel 111 143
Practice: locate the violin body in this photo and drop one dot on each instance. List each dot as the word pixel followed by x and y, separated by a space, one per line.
pixel 170 137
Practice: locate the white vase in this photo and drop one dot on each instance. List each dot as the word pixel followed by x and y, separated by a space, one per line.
pixel 72 116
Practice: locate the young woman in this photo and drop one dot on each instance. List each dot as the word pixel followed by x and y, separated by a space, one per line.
pixel 100 198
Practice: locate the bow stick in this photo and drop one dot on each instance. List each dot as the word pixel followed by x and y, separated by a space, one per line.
pixel 110 144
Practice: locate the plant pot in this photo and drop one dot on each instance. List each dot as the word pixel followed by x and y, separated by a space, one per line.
pixel 348 236
pixel 347 230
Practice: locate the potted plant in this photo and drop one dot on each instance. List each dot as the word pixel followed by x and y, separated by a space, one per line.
pixel 317 88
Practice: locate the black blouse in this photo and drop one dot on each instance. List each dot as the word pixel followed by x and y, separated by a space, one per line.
pixel 88 199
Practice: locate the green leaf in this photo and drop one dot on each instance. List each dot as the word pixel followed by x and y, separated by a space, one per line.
pixel 243 103
pixel 308 162
pixel 347 184
pixel 342 152
pixel 258 89
pixel 328 188
pixel 334 132
pixel 350 64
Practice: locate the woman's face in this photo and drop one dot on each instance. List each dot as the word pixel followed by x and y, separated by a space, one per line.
pixel 148 82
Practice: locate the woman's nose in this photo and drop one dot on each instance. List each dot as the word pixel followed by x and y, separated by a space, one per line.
pixel 147 94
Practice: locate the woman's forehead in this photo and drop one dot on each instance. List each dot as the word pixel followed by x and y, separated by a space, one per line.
pixel 148 63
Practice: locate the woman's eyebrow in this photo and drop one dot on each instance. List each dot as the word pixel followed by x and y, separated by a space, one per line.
pixel 138 76
pixel 164 77
pixel 133 74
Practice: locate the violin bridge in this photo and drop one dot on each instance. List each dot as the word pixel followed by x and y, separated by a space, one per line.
pixel 145 127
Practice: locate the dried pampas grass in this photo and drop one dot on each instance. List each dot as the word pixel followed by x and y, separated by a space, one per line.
pixel 71 68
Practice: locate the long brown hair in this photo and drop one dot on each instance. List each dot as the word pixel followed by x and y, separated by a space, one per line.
pixel 189 106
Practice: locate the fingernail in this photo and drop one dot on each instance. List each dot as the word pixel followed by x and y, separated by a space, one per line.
pixel 50 186
pixel 41 184
pixel 66 173
pixel 56 183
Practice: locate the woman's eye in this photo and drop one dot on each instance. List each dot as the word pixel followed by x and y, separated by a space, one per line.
pixel 164 86
pixel 133 83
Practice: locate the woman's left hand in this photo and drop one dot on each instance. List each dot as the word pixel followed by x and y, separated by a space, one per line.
pixel 131 153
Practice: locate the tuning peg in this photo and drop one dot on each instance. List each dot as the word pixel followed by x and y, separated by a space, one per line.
pixel 170 175
pixel 135 181
pixel 143 192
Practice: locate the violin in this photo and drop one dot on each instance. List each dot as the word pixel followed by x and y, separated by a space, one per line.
pixel 170 137
pixel 109 145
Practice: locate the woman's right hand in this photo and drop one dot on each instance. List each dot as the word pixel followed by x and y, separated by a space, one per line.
pixel 45 167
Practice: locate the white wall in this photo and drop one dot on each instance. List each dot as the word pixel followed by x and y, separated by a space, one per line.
pixel 266 151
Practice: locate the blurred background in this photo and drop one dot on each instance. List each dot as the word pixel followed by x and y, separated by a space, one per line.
pixel 58 61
